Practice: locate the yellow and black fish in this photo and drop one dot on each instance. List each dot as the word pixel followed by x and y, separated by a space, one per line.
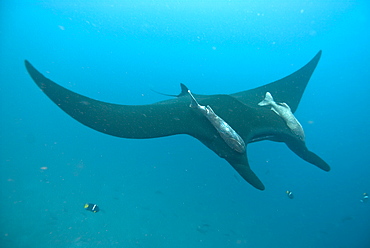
pixel 92 207
pixel 290 194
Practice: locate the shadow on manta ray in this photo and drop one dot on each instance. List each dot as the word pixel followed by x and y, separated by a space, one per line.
pixel 241 111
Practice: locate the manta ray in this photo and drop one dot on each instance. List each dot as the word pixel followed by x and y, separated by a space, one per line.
pixel 240 111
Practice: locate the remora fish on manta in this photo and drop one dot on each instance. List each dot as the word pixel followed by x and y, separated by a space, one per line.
pixel 226 132
pixel 284 111
pixel 239 110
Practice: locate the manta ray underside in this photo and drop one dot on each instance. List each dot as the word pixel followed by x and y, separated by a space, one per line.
pixel 240 110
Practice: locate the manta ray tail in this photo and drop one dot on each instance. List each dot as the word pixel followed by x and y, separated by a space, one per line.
pixel 184 91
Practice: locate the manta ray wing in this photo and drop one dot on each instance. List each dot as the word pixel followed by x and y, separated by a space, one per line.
pixel 125 121
pixel 174 116
pixel 288 89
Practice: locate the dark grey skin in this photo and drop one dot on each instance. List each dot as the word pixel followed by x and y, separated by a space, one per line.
pixel 240 110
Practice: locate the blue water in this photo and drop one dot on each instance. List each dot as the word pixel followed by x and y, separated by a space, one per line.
pixel 173 191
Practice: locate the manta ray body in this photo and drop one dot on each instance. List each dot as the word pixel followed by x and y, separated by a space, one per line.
pixel 175 116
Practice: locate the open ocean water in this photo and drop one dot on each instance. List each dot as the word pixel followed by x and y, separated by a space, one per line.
pixel 174 192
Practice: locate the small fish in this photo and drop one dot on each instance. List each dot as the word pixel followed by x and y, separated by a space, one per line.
pixel 289 194
pixel 92 207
